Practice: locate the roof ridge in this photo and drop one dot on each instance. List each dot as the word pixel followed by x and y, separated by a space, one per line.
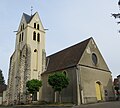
pixel 70 47
pixel 26 14
pixel 32 16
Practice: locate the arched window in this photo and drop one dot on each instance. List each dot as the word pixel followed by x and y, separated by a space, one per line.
pixel 35 58
pixel 20 38
pixel 23 26
pixel 22 35
pixel 35 50
pixel 34 25
pixel 38 37
pixel 34 35
pixel 38 26
pixel 65 73
pixel 94 58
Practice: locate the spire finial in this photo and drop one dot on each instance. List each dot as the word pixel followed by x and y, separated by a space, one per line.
pixel 31 10
pixel 119 4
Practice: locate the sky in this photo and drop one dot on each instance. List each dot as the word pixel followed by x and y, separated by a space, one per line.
pixel 68 22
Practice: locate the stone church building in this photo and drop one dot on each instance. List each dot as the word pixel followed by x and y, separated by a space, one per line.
pixel 90 77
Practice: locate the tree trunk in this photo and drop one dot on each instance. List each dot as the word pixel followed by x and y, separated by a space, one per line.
pixel 60 100
pixel 55 98
pixel 34 96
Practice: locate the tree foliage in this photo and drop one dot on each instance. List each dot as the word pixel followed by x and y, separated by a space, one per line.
pixel 33 85
pixel 58 81
pixel 2 81
pixel 116 88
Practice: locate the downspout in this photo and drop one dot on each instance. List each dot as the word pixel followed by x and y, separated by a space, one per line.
pixel 79 94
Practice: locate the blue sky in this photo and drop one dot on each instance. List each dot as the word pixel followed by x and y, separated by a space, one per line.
pixel 68 21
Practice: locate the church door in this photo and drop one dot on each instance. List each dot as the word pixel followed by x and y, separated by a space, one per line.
pixel 98 91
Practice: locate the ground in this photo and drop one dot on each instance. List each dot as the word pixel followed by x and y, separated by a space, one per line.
pixel 114 104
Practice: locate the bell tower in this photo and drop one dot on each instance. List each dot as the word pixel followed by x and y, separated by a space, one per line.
pixel 31 33
pixel 28 60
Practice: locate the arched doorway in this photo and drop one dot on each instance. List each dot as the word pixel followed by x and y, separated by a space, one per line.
pixel 98 87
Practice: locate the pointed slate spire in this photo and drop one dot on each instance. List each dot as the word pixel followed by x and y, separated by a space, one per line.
pixel 27 17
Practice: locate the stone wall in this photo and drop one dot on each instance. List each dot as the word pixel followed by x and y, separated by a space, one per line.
pixel 89 77
pixel 68 94
pixel 19 74
pixel 11 79
pixel 24 72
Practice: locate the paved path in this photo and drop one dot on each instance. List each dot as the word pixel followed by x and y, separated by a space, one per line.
pixel 115 104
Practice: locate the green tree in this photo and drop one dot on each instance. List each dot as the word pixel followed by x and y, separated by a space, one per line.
pixel 2 81
pixel 117 92
pixel 58 81
pixel 33 87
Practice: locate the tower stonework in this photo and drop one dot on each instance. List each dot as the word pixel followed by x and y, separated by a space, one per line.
pixel 28 60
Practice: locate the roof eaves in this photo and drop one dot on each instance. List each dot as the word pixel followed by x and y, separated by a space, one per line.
pixel 47 72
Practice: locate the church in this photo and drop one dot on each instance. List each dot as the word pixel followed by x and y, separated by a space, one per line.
pixel 90 77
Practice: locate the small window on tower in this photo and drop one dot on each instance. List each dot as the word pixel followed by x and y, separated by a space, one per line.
pixel 34 25
pixel 34 35
pixel 20 38
pixel 35 50
pixel 22 35
pixel 38 37
pixel 23 26
pixel 38 26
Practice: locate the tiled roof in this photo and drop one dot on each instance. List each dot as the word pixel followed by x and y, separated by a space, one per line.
pixel 66 58
pixel 28 17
